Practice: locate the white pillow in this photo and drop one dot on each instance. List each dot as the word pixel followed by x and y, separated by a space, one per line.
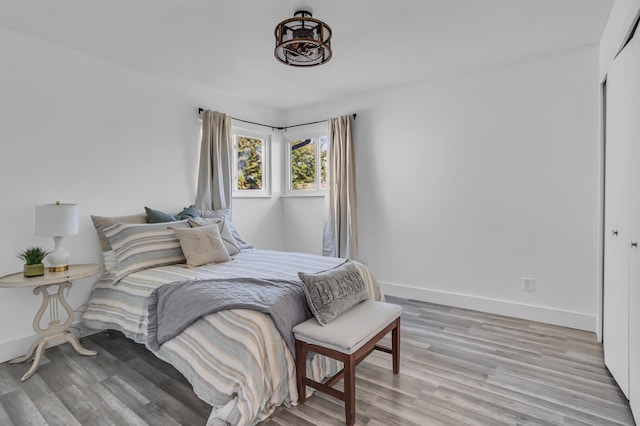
pixel 202 245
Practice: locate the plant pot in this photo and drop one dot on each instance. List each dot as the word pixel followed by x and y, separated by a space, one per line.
pixel 34 270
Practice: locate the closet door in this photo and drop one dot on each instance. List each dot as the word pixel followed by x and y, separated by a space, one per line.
pixel 634 320
pixel 631 63
pixel 617 235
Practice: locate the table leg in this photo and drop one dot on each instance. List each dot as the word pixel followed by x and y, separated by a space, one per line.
pixel 28 354
pixel 36 360
pixel 71 338
pixel 55 332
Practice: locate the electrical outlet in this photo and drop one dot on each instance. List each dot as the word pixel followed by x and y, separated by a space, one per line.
pixel 528 284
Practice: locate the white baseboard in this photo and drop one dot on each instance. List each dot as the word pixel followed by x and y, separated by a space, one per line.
pixel 547 315
pixel 10 349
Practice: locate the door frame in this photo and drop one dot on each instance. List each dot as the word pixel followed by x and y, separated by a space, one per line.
pixel 601 210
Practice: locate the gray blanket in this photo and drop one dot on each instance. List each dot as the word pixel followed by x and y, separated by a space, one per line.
pixel 174 307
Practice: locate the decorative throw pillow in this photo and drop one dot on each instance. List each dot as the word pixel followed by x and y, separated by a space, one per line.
pixel 157 216
pixel 332 292
pixel 138 247
pixel 225 232
pixel 103 222
pixel 202 245
pixel 226 214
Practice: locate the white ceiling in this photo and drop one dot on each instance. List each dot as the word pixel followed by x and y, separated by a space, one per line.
pixel 229 44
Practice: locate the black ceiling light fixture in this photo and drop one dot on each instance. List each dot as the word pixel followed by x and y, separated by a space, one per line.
pixel 303 41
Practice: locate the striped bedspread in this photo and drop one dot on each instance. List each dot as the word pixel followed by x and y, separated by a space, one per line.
pixel 235 360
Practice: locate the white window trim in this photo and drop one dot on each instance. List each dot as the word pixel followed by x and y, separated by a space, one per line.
pixel 265 192
pixel 287 190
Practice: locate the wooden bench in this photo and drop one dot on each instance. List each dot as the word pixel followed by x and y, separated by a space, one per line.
pixel 350 338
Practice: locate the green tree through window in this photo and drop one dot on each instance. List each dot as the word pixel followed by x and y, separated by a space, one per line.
pixel 308 157
pixel 249 163
pixel 303 164
pixel 323 162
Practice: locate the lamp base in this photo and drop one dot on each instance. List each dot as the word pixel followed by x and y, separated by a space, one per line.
pixel 58 268
pixel 58 259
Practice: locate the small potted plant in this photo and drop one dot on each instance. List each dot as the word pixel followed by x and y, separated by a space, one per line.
pixel 33 257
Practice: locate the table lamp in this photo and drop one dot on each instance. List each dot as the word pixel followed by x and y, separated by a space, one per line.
pixel 57 220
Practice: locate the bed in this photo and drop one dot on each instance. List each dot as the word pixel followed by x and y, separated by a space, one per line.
pixel 236 360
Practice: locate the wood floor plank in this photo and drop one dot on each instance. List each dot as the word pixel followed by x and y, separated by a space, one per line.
pixel 308 413
pixel 146 411
pixel 54 411
pixel 488 390
pixel 457 367
pixel 87 407
pixel 20 409
pixel 5 420
pixel 8 383
pixel 123 414
pixel 49 405
pixel 184 393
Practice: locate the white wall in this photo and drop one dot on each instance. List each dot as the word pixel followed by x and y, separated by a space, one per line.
pixel 302 216
pixel 80 129
pixel 468 184
pixel 303 219
pixel 260 219
pixel 621 19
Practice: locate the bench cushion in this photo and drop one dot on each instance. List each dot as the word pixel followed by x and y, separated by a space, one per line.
pixel 352 329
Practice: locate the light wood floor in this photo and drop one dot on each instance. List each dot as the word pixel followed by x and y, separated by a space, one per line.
pixel 458 367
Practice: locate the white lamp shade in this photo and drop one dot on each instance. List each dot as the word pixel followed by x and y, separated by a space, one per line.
pixel 56 219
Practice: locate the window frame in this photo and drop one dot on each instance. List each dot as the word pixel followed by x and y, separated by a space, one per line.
pixel 288 190
pixel 265 192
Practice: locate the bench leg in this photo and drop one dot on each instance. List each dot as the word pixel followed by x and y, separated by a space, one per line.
pixel 395 347
pixel 301 370
pixel 350 391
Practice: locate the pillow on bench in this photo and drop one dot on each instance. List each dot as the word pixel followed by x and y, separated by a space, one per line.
pixel 332 292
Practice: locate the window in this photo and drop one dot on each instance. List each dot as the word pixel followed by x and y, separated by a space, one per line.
pixel 307 165
pixel 251 164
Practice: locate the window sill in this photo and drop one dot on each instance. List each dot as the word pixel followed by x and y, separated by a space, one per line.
pixel 251 196
pixel 316 195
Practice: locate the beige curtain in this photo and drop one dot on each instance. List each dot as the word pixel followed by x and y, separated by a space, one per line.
pixel 340 229
pixel 215 174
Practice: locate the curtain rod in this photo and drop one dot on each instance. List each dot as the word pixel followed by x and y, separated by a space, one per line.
pixel 276 127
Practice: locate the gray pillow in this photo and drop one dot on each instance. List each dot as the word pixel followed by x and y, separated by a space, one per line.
pixel 225 232
pixel 330 293
pixel 226 214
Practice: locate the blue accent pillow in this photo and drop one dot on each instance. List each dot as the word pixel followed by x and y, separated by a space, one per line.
pixel 157 216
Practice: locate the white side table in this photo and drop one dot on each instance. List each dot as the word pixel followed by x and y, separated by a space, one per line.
pixel 56 332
